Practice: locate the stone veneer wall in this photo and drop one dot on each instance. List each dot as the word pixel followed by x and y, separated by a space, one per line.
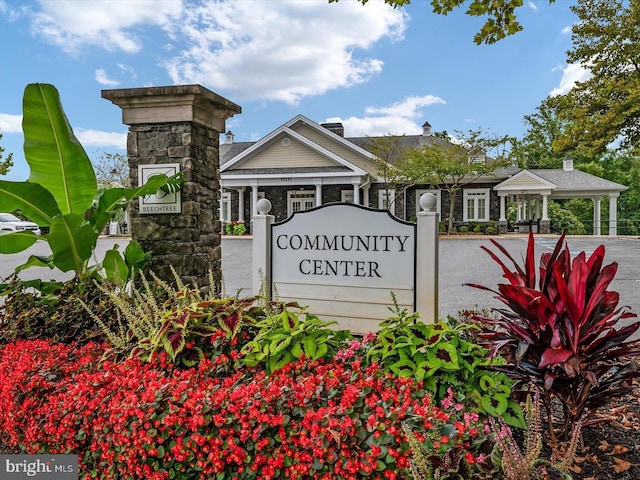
pixel 178 124
pixel 189 242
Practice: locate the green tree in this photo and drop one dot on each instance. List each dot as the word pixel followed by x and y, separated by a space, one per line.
pixel 604 109
pixel 452 163
pixel 544 127
pixel 112 170
pixel 389 154
pixel 501 15
pixel 7 163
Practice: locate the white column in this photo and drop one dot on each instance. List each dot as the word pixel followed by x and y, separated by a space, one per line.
pixel 241 204
pixel 427 259
pixel 261 266
pixel 545 207
pixel 356 193
pixel 537 200
pixel 613 216
pixel 518 209
pixel 318 194
pixel 365 195
pixel 596 215
pixel 503 208
pixel 254 199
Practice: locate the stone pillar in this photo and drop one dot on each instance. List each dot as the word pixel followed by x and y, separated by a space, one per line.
pixel 178 124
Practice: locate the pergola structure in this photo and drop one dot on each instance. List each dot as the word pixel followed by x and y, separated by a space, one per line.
pixel 532 189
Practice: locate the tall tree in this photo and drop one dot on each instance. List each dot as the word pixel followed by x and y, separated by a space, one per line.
pixel 389 154
pixel 501 15
pixel 605 108
pixel 544 127
pixel 7 163
pixel 454 162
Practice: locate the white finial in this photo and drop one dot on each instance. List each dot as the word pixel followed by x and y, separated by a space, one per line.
pixel 263 206
pixel 428 202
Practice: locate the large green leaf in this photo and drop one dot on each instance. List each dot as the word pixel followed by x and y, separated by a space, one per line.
pixel 33 200
pixel 17 241
pixel 72 241
pixel 56 158
pixel 115 267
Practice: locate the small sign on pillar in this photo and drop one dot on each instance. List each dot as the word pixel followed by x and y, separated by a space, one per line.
pixel 164 200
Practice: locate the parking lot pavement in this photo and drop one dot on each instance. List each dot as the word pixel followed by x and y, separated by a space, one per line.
pixel 462 261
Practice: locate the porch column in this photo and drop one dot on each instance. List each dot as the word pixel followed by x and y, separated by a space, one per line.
pixel 254 199
pixel 545 207
pixel 502 221
pixel 613 215
pixel 365 195
pixel 318 194
pixel 241 204
pixel 518 209
pixel 503 209
pixel 596 215
pixel 356 193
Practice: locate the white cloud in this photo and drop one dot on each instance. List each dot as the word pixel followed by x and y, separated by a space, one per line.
pixel 572 73
pixel 128 69
pixel 98 138
pixel 72 25
pixel 567 30
pixel 533 6
pixel 282 50
pixel 399 118
pixel 103 79
pixel 10 123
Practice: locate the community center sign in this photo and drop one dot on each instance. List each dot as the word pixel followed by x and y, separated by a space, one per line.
pixel 344 261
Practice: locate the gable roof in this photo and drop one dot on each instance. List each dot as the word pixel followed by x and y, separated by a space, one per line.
pixel 232 158
pixel 559 183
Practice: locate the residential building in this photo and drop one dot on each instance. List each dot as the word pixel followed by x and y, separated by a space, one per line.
pixel 303 164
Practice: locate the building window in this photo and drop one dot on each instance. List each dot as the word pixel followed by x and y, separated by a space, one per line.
pixel 385 199
pixel 346 196
pixel 225 207
pixel 300 200
pixel 476 205
pixel 436 192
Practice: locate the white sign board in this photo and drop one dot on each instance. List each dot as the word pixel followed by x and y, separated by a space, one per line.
pixel 161 201
pixel 344 260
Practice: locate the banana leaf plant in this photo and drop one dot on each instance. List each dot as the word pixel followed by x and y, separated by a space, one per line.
pixel 561 330
pixel 62 194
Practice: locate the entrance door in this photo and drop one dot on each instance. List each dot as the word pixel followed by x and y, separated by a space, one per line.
pixel 299 201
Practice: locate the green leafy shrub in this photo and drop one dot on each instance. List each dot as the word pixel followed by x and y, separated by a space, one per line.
pixel 55 314
pixel 443 358
pixel 235 227
pixel 559 330
pixel 183 322
pixel 285 336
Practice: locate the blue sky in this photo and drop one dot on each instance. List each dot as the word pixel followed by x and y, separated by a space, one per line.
pixel 375 69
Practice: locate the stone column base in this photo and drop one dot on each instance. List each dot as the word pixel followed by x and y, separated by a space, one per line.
pixel 502 227
pixel 545 226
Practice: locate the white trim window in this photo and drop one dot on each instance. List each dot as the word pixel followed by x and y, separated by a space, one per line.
pixel 437 192
pixel 300 200
pixel 475 205
pixel 386 199
pixel 225 207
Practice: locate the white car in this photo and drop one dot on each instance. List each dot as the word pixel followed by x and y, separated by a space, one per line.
pixel 11 223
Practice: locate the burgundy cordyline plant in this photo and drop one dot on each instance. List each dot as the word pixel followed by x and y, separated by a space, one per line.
pixel 560 330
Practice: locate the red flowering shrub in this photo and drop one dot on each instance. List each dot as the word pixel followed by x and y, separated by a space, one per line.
pixel 131 419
